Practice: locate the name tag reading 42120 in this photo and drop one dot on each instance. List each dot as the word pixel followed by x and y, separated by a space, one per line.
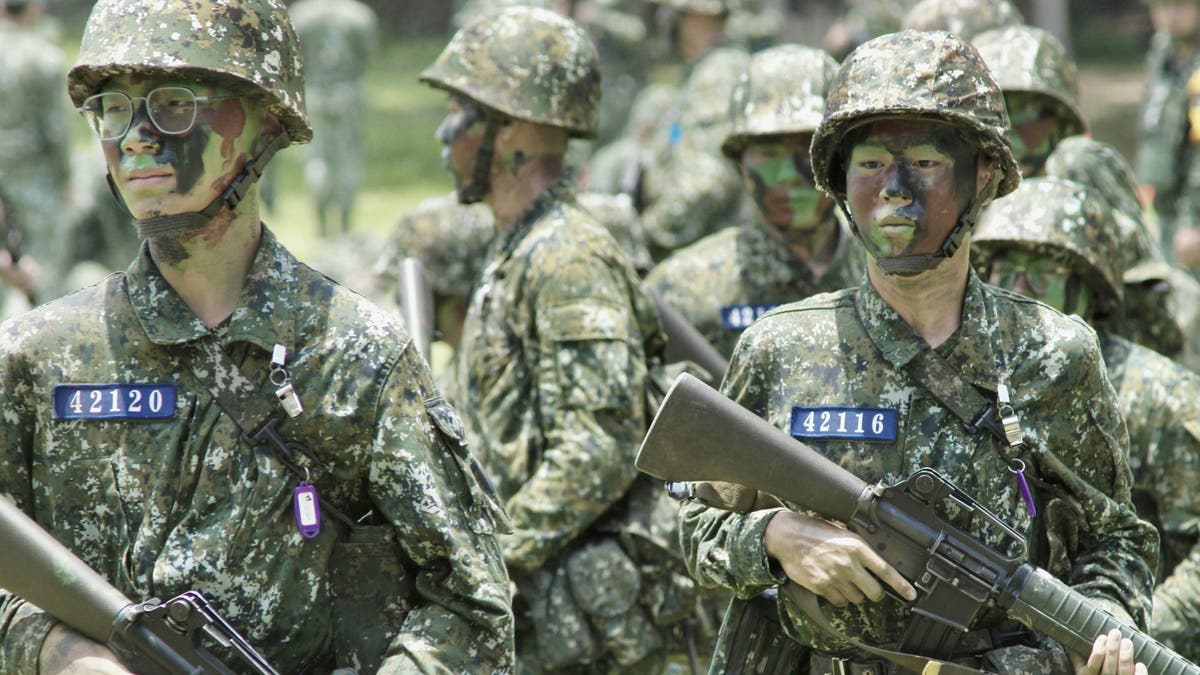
pixel 844 422
pixel 114 401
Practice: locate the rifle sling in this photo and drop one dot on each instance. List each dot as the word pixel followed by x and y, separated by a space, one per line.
pixel 951 390
pixel 806 600
pixel 255 413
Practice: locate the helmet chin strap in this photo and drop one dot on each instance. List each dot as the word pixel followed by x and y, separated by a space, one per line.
pixel 477 189
pixel 911 265
pixel 158 226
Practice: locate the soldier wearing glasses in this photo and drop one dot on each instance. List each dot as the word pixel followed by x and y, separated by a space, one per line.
pixel 123 433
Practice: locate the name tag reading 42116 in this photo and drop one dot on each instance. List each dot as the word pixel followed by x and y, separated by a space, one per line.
pixel 844 422
pixel 114 401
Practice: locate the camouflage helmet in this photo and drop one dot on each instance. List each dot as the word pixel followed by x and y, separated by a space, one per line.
pixel 248 46
pixel 1031 60
pixel 1101 167
pixel 782 92
pixel 716 7
pixel 1063 220
pixel 924 75
pixel 964 18
pixel 525 62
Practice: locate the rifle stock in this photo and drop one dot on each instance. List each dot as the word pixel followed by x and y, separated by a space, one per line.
pixel 700 435
pixel 149 637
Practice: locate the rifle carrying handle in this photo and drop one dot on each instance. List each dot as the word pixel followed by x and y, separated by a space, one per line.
pixel 1049 606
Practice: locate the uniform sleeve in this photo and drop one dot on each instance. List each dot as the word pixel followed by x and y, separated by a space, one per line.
pixel 1110 553
pixel 23 626
pixel 445 515
pixel 590 375
pixel 1174 474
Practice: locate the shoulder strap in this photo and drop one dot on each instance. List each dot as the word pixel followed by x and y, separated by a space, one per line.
pixel 255 414
pixel 948 387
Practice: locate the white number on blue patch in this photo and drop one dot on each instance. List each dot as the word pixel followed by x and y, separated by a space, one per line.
pixel 739 317
pixel 114 401
pixel 844 422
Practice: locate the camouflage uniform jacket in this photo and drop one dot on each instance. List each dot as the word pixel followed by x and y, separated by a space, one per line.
pixel 552 367
pixel 1161 405
pixel 725 281
pixel 163 506
pixel 849 348
pixel 1165 157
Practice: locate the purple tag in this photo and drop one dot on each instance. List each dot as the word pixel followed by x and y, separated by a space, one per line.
pixel 306 506
pixel 1026 493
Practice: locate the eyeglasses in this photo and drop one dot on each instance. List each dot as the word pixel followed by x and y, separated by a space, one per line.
pixel 172 110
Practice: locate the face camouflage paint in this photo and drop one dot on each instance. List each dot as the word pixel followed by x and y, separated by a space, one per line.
pixel 780 179
pixel 907 184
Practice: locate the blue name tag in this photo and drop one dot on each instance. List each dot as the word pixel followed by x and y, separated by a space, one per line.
pixel 843 422
pixel 739 317
pixel 674 134
pixel 114 401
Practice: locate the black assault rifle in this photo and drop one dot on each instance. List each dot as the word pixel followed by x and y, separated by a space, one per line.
pixel 148 637
pixel 700 435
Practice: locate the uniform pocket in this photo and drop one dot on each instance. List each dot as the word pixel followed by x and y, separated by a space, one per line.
pixel 370 591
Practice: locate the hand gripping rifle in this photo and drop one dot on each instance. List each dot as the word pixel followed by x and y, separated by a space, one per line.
pixel 149 637
pixel 700 435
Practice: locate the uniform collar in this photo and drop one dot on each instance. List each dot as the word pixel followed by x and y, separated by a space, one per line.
pixel 562 189
pixel 969 349
pixel 263 315
pixel 755 244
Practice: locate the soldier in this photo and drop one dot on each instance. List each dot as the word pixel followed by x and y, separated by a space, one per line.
pixel 555 353
pixel 34 140
pixel 337 38
pixel 1058 241
pixel 128 404
pixel 18 272
pixel 1162 300
pixel 796 246
pixel 964 18
pixel 1167 138
pixel 913 144
pixel 615 168
pixel 865 19
pixel 687 189
pixel 1041 90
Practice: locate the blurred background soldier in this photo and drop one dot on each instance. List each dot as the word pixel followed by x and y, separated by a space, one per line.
pixel 18 272
pixel 964 18
pixel 1058 241
pixel 337 37
pixel 687 189
pixel 865 19
pixel 555 357
pixel 1169 127
pixel 615 168
pixel 796 245
pixel 35 140
pixel 1162 300
pixel 1041 90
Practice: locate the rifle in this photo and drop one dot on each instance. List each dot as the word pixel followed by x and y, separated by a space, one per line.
pixel 700 435
pixel 685 343
pixel 148 637
pixel 416 304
